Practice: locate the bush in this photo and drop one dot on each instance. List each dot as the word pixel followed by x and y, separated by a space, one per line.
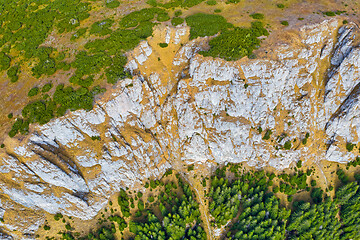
pixel 34 91
pixel 257 16
pixel 330 13
pixel 267 134
pixel 280 5
pixel 163 45
pixel 206 24
pixel 177 21
pixel 13 73
pixel 4 61
pixel 102 28
pixel 285 23
pixel 237 43
pixel 112 3
pixel 287 145
pixel 211 2
pixel 178 13
pixel 47 87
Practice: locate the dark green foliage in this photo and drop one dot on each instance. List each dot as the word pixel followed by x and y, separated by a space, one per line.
pixel 120 221
pixel 285 23
pixel 258 16
pixel 34 91
pixel 13 73
pixel 175 3
pixel 217 11
pixel 211 2
pixel 180 217
pixel 267 134
pixel 142 16
pixel 103 233
pixel 163 45
pixel 10 115
pixel 68 226
pixel 330 13
pixel 2 145
pixel 345 22
pixel 261 216
pixel 112 3
pixel 177 21
pixel 287 145
pixel 123 201
pixel 19 126
pixel 346 192
pixel 349 199
pixel 299 164
pixel 280 5
pixel 354 163
pixel 178 13
pixel 95 138
pixel 317 195
pixel 314 221
pixel 58 216
pixel 47 87
pixel 237 43
pixel 101 27
pixel 47 227
pixel 233 1
pixel 79 33
pixel 313 183
pixel 68 98
pixel 350 146
pixel 342 176
pixel 206 24
pixel 4 61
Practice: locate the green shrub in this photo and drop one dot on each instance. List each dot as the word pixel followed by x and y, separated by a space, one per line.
pixel 95 138
pixel 177 21
pixel 258 16
pixel 4 61
pixel 163 45
pixel 287 145
pixel 237 43
pixel 58 216
pixel 233 1
pixel 178 13
pixel 13 73
pixel 285 23
pixel 267 134
pixel 47 87
pixel 330 13
pixel 34 91
pixel 112 3
pixel 345 22
pixel 211 2
pixel 79 33
pixel 280 5
pixel 102 28
pixel 217 11
pixel 350 146
pixel 206 24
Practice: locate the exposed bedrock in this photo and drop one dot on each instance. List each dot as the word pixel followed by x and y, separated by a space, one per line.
pixel 181 107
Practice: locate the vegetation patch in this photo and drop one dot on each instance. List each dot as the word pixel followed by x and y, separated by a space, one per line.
pixel 236 43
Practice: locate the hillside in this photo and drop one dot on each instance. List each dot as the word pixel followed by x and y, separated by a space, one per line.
pixel 99 97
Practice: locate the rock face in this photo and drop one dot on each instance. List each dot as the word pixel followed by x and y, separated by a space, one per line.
pixel 182 108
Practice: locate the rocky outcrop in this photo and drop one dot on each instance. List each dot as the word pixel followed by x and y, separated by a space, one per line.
pixel 182 108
